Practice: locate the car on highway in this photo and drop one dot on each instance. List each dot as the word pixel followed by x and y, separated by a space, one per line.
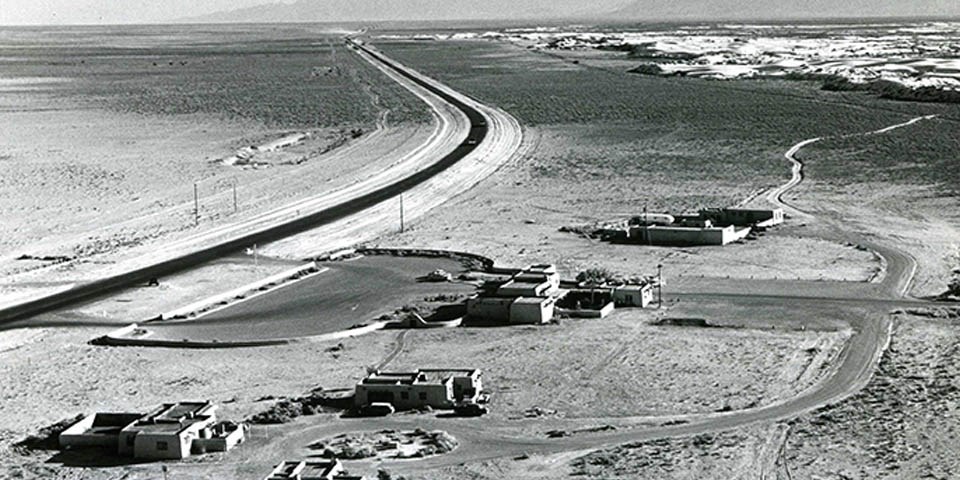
pixel 470 141
pixel 469 409
pixel 376 409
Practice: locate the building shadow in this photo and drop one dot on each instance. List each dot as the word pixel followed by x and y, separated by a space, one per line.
pixel 93 457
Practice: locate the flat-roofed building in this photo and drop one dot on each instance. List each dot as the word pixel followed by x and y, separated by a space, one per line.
pixel 321 469
pixel 171 431
pixel 518 288
pixel 434 388
pixel 744 217
pixel 511 310
pixel 532 310
pixel 98 430
pixel 632 295
pixel 538 273
pixel 687 235
pixel 168 431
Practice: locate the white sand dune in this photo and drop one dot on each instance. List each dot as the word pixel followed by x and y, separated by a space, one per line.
pixel 915 55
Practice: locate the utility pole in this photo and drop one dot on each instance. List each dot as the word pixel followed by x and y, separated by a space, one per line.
pixel 659 286
pixel 401 213
pixel 196 204
pixel 646 225
pixel 235 209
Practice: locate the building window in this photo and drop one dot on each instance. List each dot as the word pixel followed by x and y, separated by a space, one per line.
pixel 423 395
pixel 405 395
pixel 162 446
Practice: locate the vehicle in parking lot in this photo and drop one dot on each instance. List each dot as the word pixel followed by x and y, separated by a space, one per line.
pixel 377 409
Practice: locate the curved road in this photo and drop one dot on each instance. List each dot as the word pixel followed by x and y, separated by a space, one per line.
pixel 473 138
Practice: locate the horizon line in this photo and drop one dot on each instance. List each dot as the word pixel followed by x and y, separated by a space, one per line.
pixel 608 20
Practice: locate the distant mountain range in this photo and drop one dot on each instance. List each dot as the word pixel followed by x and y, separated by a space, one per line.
pixel 409 10
pixel 526 10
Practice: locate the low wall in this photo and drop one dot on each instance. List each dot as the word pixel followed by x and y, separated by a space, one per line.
pixel 118 338
pixel 582 313
pixel 416 322
pixel 486 263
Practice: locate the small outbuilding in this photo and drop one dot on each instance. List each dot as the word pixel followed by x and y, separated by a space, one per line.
pixel 434 388
pixel 319 469
pixel 511 310
pixel 532 310
pixel 632 295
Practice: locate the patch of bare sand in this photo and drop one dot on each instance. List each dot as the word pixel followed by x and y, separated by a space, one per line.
pixel 904 424
pixel 917 219
pixel 514 216
pixel 623 366
pixel 737 454
pixel 745 453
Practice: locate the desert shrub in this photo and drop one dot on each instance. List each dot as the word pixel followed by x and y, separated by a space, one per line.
pixel 288 409
pixel 442 442
pixel 597 276
pixel 647 69
pixel 386 475
pixel 953 285
pixel 357 452
pixel 281 412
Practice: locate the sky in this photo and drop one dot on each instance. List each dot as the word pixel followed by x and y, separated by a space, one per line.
pixel 60 12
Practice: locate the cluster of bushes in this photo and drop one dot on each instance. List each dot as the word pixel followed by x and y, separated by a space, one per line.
pixel 953 286
pixel 603 276
pixel 435 443
pixel 288 409
pixel 647 69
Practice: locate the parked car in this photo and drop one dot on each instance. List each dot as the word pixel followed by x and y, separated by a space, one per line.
pixel 439 275
pixel 377 409
pixel 469 409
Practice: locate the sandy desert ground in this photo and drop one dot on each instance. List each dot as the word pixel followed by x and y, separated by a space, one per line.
pixel 598 146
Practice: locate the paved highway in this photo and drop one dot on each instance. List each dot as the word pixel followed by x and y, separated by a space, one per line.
pixel 473 141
